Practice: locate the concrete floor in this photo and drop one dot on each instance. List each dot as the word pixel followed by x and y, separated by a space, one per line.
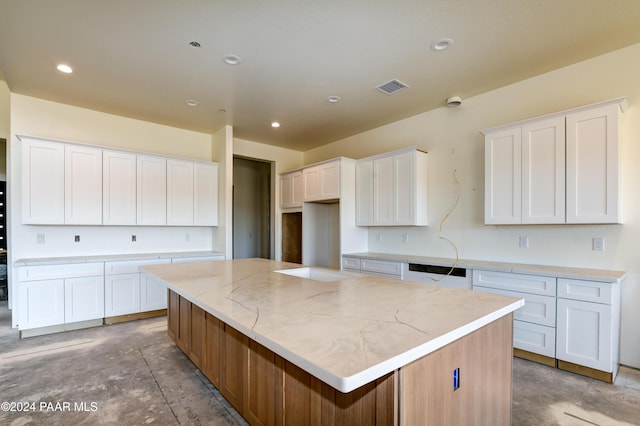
pixel 132 374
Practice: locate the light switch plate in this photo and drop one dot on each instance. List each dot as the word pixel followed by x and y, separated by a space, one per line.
pixel 598 244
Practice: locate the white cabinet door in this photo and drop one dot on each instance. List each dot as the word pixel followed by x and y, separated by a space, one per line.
pixel 383 186
pixel 543 175
pixel 119 188
pixel 151 190
pixel 503 177
pixel 121 294
pixel 592 166
pixel 83 299
pixel 584 334
pixel 82 185
pixel 291 190
pixel 179 193
pixel 404 189
pixel 205 189
pixel 41 303
pixel 364 193
pixel 42 182
pixel 322 182
pixel 153 293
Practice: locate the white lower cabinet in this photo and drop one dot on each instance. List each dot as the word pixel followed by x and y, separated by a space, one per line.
pixel 153 293
pixel 127 291
pixel 83 299
pixel 121 294
pixel 60 294
pixel 41 304
pixel 534 325
pixel 589 324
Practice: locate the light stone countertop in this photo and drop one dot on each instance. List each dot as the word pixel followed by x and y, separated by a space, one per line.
pixel 347 332
pixel 111 258
pixel 601 275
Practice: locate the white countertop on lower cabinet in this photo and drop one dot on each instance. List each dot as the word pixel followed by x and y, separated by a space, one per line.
pixel 346 332
pixel 601 275
pixel 111 258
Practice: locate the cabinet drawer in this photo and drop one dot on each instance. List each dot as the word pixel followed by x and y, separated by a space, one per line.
pixel 130 266
pixel 537 309
pixel 352 263
pixel 588 291
pixel 49 272
pixel 534 284
pixel 381 267
pixel 534 338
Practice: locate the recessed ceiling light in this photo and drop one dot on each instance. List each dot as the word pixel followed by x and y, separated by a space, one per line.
pixel 231 59
pixel 333 99
pixel 442 44
pixel 64 68
pixel 194 44
pixel 191 103
pixel 275 124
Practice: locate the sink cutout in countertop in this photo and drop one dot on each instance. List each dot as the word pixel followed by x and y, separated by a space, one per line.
pixel 318 274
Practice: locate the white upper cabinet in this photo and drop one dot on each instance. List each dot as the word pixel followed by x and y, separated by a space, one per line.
pixel 205 188
pixel 391 189
pixel 291 190
pixel 180 192
pixel 74 184
pixel 151 190
pixel 42 182
pixel 322 181
pixel 503 177
pixel 364 193
pixel 82 185
pixel 561 168
pixel 593 165
pixel 119 188
pixel 543 180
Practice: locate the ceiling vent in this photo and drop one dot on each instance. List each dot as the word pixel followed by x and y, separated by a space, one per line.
pixel 391 87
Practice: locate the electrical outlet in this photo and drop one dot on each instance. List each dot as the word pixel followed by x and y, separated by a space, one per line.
pixel 133 238
pixel 405 238
pixel 187 237
pixel 598 244
pixel 524 242
pixel 379 236
pixel 77 238
pixel 40 238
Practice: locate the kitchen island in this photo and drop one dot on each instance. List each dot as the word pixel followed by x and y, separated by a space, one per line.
pixel 291 345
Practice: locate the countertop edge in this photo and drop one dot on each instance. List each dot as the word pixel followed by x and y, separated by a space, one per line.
pixel 600 275
pixel 111 258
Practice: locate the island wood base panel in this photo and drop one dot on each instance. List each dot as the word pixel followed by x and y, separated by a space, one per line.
pixel 266 389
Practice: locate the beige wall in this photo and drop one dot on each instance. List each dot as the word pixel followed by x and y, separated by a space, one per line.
pixel 52 120
pixel 451 137
pixel 5 102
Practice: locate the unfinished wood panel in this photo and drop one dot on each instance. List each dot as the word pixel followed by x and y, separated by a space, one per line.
pixel 484 358
pixel 292 237
pixel 197 336
pixel 173 312
pixel 233 366
pixel 184 326
pixel 259 391
pixel 211 361
pixel 301 399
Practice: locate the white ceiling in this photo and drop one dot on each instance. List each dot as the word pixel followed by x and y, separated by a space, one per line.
pixel 132 57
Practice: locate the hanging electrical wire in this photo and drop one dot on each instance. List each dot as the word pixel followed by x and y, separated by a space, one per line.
pixel 443 220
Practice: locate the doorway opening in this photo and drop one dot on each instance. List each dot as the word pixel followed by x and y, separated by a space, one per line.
pixel 252 216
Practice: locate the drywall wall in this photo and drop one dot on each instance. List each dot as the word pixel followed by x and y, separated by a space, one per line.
pixel 456 167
